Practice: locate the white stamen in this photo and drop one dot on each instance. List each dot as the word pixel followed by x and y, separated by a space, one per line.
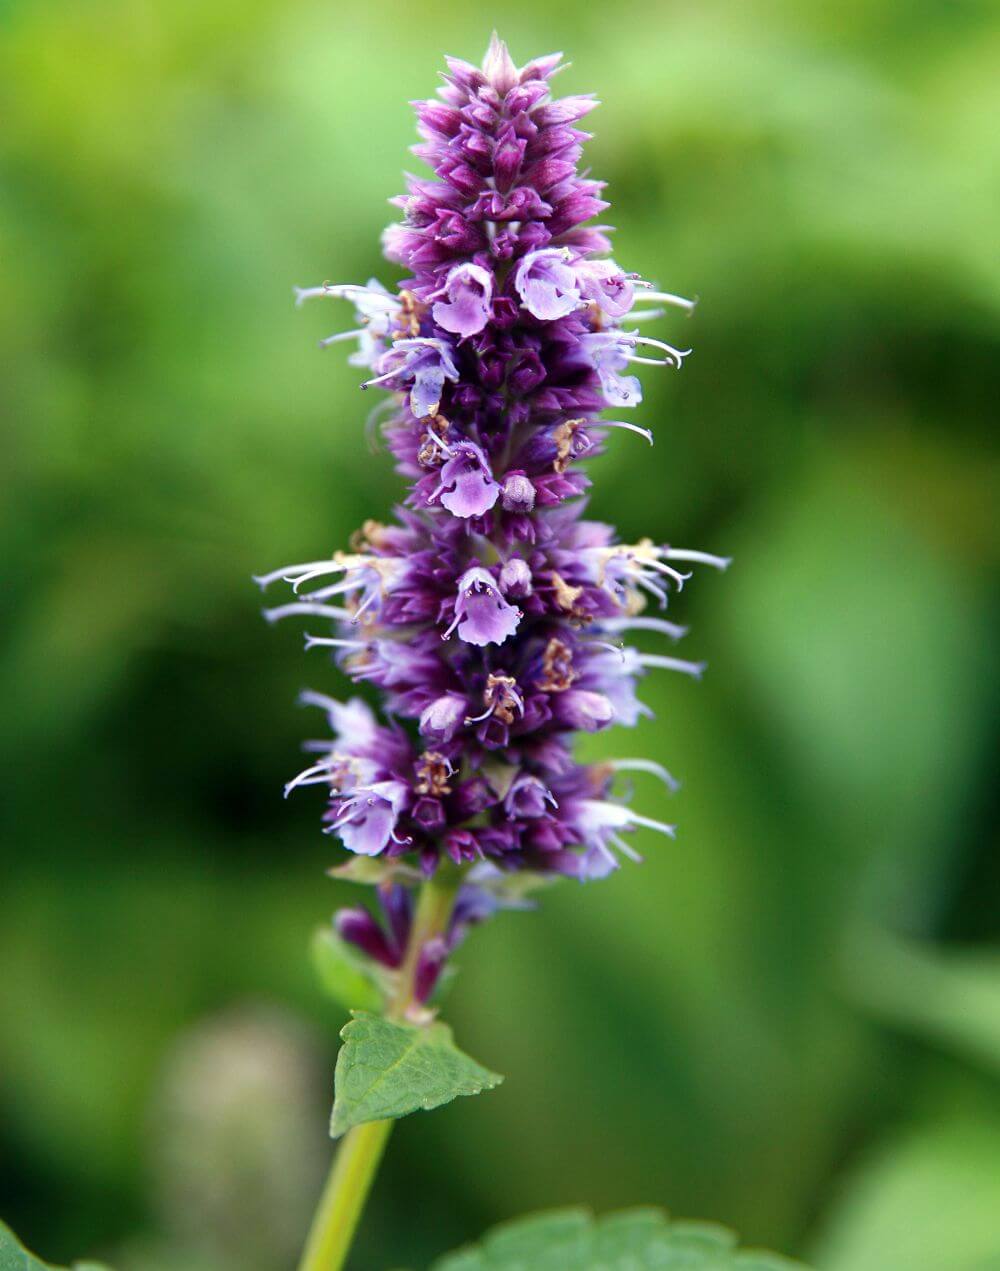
pixel 657 662
pixel 335 589
pixel 648 823
pixel 647 584
pixel 664 298
pixel 309 697
pixel 671 629
pixel 698 558
pixel 626 849
pixel 674 356
pixel 303 607
pixel 382 379
pixel 265 580
pixel 621 423
pixel 650 766
pixel 432 436
pixel 679 578
pixel 309 776
pixel 331 642
pixel 340 335
pixel 611 648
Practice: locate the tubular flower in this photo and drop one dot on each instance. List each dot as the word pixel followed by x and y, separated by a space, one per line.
pixel 490 615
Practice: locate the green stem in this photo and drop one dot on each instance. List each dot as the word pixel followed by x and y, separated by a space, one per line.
pixel 344 1195
pixel 357 1160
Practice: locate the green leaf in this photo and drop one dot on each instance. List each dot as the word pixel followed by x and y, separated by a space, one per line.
pixel 632 1240
pixel 386 1069
pixel 343 975
pixel 14 1256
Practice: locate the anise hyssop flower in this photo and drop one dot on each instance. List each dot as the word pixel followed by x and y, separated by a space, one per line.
pixel 490 615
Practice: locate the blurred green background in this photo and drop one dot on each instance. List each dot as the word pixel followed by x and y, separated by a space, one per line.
pixel 789 1020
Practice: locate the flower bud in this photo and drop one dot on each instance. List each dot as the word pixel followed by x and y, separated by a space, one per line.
pixel 517 493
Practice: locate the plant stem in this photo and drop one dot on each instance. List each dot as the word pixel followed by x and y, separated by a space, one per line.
pixel 344 1196
pixel 357 1160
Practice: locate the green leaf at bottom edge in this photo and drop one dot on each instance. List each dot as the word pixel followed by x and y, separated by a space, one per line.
pixel 636 1239
pixel 386 1069
pixel 14 1256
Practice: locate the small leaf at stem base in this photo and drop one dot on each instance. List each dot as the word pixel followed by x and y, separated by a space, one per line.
pixel 386 1069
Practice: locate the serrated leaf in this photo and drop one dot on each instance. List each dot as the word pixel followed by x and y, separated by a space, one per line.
pixel 342 973
pixel 631 1240
pixel 14 1256
pixel 386 1069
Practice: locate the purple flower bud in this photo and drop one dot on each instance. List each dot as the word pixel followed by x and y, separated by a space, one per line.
pixel 528 797
pixel 430 963
pixel 583 709
pixel 518 493
pixel 429 814
pixel 358 927
pixel 515 579
pixel 442 719
pixel 468 290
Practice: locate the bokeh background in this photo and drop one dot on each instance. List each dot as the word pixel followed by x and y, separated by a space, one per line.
pixel 789 1020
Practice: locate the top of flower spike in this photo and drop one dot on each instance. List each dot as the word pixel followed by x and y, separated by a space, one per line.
pixel 498 69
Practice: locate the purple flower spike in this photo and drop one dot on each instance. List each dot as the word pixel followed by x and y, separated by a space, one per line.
pixel 468 292
pixel 492 619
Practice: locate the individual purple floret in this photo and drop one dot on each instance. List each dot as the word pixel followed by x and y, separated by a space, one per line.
pixel 489 616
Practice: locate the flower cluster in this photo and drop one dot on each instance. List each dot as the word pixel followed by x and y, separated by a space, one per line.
pixel 491 616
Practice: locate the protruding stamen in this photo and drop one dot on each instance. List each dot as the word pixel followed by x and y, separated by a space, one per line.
pixel 664 298
pixel 657 661
pixel 626 849
pixel 670 629
pixel 340 335
pixel 621 423
pixel 316 775
pixel 309 697
pixel 648 823
pixel 679 578
pixel 650 766
pixel 331 642
pixel 304 607
pixel 674 357
pixel 287 572
pixel 697 558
